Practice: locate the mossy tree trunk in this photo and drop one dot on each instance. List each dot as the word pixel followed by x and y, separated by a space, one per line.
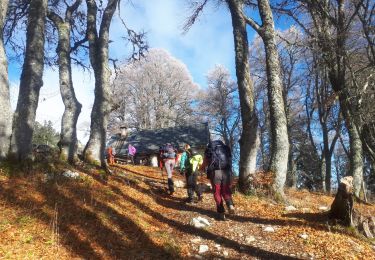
pixel 30 83
pixel 98 50
pixel 249 141
pixel 5 108
pixel 68 137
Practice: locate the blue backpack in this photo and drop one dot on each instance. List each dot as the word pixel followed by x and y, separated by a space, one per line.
pixel 219 156
pixel 169 152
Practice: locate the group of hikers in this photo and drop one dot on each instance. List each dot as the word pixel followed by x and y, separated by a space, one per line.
pixel 216 162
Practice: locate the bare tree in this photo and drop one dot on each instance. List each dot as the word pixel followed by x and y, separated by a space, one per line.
pixel 219 103
pixel 31 82
pixel 329 25
pixel 278 120
pixel 249 141
pixel 154 92
pixel 98 51
pixel 5 109
pixel 68 136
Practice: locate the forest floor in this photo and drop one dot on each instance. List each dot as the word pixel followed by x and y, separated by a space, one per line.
pixel 130 216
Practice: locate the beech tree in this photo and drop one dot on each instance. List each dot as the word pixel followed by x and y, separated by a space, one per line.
pixel 5 109
pixel 68 136
pixel 249 141
pixel 30 82
pixel 98 52
pixel 154 92
pixel 279 131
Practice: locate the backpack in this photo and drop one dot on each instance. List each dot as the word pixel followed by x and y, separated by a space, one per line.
pixel 219 156
pixel 169 152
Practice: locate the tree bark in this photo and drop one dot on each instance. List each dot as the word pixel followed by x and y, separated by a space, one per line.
pixel 356 158
pixel 30 83
pixel 5 108
pixel 342 206
pixel 249 140
pixel 98 50
pixel 279 131
pixel 68 137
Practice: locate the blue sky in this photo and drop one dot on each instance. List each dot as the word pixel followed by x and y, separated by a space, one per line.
pixel 209 42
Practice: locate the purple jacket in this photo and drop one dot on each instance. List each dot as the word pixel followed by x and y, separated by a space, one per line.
pixel 132 150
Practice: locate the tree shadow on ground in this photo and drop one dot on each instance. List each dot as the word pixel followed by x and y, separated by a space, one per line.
pixel 319 217
pixel 205 234
pixel 177 204
pixel 87 227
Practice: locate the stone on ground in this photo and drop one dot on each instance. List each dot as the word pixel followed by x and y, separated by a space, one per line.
pixel 290 208
pixel 203 249
pixel 199 222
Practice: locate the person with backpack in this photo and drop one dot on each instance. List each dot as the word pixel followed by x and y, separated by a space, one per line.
pixel 189 165
pixel 218 161
pixel 169 155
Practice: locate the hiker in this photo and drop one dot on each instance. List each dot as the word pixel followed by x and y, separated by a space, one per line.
pixel 218 160
pixel 169 155
pixel 131 152
pixel 189 165
pixel 111 155
pixel 160 159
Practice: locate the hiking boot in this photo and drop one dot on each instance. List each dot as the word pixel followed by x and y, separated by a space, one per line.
pixel 221 217
pixel 231 209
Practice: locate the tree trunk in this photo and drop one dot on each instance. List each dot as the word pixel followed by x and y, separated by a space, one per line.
pixel 98 49
pixel 327 159
pixel 5 108
pixel 68 137
pixel 279 131
pixel 356 158
pixel 249 138
pixel 323 172
pixel 342 206
pixel 30 83
pixel 292 172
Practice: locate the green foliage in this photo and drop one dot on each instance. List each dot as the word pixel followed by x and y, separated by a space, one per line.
pixel 45 134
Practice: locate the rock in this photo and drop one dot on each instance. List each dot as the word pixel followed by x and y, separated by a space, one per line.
pixel 217 246
pixel 323 208
pixel 290 208
pixel 179 184
pixel 366 230
pixel 249 239
pixel 225 253
pixel 199 222
pixel 371 224
pixel 303 236
pixel 196 240
pixel 269 229
pixel 71 174
pixel 198 257
pixel 203 249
